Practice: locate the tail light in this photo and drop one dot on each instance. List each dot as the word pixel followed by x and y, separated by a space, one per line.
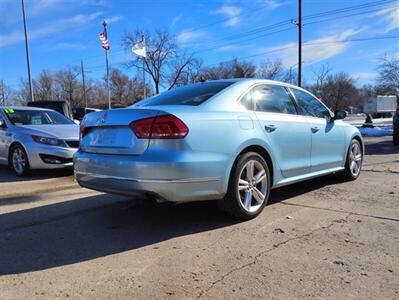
pixel 161 127
pixel 82 130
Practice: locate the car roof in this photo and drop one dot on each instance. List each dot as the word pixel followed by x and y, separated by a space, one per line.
pixel 24 108
pixel 251 81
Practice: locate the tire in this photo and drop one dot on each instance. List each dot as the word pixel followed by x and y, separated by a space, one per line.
pixel 246 199
pixel 354 161
pixel 19 161
pixel 396 138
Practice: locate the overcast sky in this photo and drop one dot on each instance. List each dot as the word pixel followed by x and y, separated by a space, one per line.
pixel 64 31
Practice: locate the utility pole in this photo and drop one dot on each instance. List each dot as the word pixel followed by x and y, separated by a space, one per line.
pixel 106 61
pixel 299 24
pixel 144 57
pixel 32 98
pixel 83 82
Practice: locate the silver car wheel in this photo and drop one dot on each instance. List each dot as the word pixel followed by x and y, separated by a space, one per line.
pixel 252 186
pixel 19 160
pixel 355 157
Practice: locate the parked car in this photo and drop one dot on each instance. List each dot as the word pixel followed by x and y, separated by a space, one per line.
pixel 36 138
pixel 228 140
pixel 396 127
pixel 80 112
pixel 62 107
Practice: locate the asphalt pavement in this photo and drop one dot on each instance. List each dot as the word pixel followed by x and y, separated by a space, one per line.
pixel 322 238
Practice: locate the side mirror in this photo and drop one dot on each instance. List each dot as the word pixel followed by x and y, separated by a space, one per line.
pixel 2 124
pixel 340 115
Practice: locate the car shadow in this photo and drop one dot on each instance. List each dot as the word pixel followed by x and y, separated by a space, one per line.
pixel 7 175
pixel 381 148
pixel 96 226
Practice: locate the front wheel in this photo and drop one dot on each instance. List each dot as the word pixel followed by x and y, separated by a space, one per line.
pixel 249 187
pixel 19 160
pixel 354 161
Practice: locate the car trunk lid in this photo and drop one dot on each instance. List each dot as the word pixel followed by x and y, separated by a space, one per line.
pixel 108 132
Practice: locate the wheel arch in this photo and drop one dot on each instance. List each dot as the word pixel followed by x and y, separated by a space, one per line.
pixel 262 152
pixel 13 144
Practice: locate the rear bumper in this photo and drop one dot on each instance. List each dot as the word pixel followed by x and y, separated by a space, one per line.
pixel 175 179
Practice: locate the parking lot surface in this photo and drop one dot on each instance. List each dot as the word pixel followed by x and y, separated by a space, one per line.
pixel 317 239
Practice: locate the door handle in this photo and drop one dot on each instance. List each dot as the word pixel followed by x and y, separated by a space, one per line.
pixel 315 129
pixel 270 128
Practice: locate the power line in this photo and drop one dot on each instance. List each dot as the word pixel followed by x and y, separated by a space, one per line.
pixel 255 31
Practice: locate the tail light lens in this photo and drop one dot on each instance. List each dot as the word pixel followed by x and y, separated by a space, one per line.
pixel 82 130
pixel 161 127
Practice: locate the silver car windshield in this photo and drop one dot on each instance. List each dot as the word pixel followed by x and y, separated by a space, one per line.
pixel 193 94
pixel 36 117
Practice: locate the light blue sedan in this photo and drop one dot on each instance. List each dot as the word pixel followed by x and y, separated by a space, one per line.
pixel 228 140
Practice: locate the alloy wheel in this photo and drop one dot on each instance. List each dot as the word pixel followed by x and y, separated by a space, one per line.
pixel 19 160
pixel 252 186
pixel 355 157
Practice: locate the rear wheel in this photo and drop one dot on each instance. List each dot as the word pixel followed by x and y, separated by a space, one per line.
pixel 249 187
pixel 19 160
pixel 354 160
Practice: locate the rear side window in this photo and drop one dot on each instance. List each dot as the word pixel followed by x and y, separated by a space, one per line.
pixel 309 105
pixel 193 94
pixel 273 98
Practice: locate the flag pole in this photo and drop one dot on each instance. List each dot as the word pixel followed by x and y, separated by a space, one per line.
pixel 106 62
pixel 145 88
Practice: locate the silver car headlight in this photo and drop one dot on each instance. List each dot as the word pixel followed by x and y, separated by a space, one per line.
pixel 48 141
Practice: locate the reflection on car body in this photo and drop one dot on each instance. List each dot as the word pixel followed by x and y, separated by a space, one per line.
pixel 228 140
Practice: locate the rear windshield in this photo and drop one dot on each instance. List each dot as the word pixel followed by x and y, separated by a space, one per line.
pixel 193 94
pixel 36 117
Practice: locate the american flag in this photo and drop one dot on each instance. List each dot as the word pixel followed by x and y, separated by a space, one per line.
pixel 104 40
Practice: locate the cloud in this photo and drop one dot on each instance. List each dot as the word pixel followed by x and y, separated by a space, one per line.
pixel 365 76
pixel 391 15
pixel 176 20
pixel 188 35
pixel 69 46
pixel 113 19
pixel 232 13
pixel 48 29
pixel 314 50
pixel 270 4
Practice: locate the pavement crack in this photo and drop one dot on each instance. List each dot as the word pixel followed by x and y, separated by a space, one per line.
pixel 260 254
pixel 342 211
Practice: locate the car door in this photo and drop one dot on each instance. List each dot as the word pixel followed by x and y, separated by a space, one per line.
pixel 4 140
pixel 287 132
pixel 328 143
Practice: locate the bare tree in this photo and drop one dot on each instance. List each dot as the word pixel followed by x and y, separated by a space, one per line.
pixel 44 86
pixel 229 69
pixel 270 70
pixel 125 91
pixel 339 91
pixel 320 75
pixel 5 93
pixel 388 77
pixel 69 87
pixel 165 62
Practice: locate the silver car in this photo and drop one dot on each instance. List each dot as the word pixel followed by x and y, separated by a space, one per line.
pixel 229 140
pixel 36 138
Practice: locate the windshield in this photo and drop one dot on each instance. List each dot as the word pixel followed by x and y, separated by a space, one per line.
pixel 193 94
pixel 36 117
